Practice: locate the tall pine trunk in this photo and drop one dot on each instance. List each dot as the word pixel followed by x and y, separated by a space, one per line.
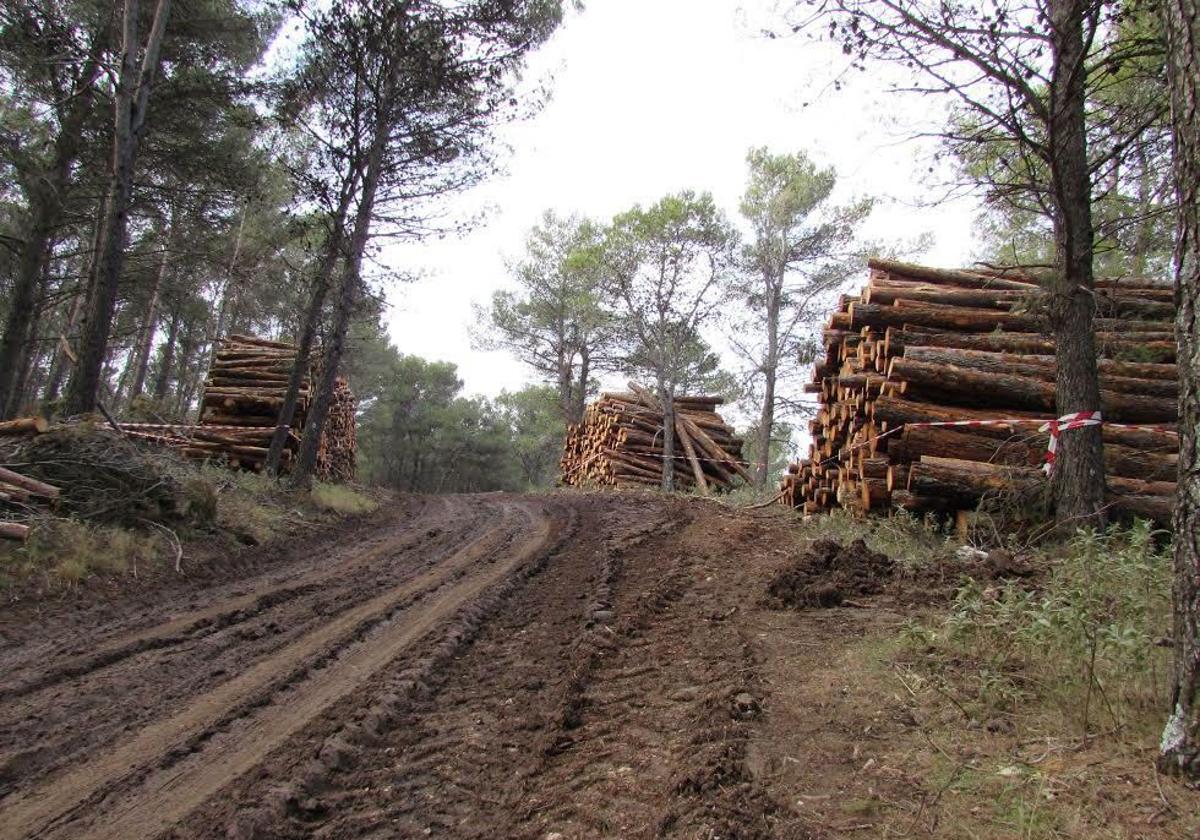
pixel 166 360
pixel 347 300
pixel 1079 472
pixel 308 334
pixel 666 396
pixel 129 125
pixel 770 371
pixel 45 194
pixel 1180 749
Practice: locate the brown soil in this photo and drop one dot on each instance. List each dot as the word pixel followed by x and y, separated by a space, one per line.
pixel 563 666
pixel 829 573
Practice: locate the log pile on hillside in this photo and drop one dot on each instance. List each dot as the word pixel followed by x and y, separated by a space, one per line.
pixel 921 345
pixel 619 443
pixel 21 494
pixel 239 409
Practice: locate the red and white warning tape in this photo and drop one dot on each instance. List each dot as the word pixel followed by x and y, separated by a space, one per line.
pixel 1075 420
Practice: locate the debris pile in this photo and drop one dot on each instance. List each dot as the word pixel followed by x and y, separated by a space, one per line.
pixel 620 443
pixel 921 346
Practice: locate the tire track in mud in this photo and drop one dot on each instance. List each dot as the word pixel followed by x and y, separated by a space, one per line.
pixel 169 767
pixel 454 757
pixel 219 615
pixel 66 721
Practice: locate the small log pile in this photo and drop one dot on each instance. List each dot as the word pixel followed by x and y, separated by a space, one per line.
pixel 921 345
pixel 243 394
pixel 21 492
pixel 619 443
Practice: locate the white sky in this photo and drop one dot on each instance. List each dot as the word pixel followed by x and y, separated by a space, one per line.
pixel 654 96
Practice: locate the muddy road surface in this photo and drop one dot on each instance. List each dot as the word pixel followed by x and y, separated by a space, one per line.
pixel 568 665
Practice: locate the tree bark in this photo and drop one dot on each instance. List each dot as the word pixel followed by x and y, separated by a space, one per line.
pixel 668 453
pixel 1180 747
pixel 1079 472
pixel 770 371
pixel 46 191
pixel 167 358
pixel 131 101
pixel 308 334
pixel 314 423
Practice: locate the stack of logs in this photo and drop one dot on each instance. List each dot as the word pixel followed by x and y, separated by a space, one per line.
pixel 922 345
pixel 336 457
pixel 244 391
pixel 620 444
pixel 20 493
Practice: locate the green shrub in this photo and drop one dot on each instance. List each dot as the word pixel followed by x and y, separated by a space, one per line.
pixel 1084 641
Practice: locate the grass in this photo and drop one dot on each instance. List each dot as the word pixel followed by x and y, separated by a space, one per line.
pixel 62 553
pixel 342 500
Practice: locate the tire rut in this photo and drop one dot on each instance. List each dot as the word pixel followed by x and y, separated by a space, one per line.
pixel 170 766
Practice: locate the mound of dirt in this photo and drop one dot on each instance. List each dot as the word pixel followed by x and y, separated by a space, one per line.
pixel 828 574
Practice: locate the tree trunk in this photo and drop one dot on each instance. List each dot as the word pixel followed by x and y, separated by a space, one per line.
pixel 314 423
pixel 1079 471
pixel 668 457
pixel 167 358
pixel 580 402
pixel 131 100
pixel 46 193
pixel 1180 748
pixel 139 359
pixel 308 334
pixel 63 355
pixel 770 370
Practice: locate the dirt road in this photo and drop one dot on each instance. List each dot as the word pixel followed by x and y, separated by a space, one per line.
pixel 480 666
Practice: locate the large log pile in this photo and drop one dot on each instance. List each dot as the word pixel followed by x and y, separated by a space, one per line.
pixel 921 346
pixel 239 409
pixel 619 443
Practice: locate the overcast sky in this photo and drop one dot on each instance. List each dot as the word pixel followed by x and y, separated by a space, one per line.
pixel 654 96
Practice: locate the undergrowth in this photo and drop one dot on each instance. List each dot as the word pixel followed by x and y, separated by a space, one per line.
pixel 132 511
pixel 1082 646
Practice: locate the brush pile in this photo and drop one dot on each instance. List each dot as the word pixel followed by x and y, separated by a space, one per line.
pixel 243 394
pixel 620 444
pixel 922 345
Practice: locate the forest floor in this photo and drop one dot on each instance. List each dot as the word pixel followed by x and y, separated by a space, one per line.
pixel 557 666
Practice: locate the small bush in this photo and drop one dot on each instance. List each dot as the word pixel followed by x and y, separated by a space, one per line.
pixel 340 499
pixel 1083 643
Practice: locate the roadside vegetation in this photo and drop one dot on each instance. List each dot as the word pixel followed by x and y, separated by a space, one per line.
pixel 130 512
pixel 1030 694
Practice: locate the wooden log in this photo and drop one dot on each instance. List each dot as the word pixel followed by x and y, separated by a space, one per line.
pixel 1108 345
pixel 1110 303
pixel 974 320
pixel 690 452
pixel 1002 362
pixel 14 531
pixel 32 485
pixel 24 425
pixel 952 277
pixel 976 388
pixel 1028 449
pixel 966 482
